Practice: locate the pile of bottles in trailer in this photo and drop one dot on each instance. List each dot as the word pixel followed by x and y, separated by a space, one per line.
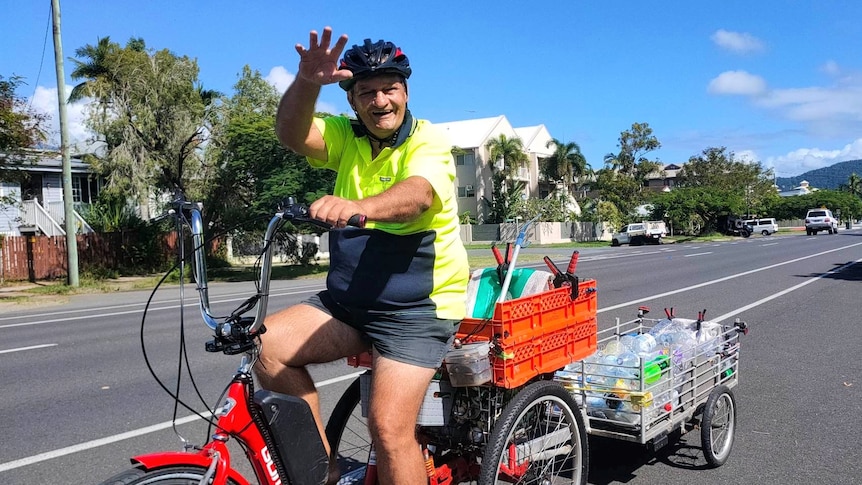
pixel 636 377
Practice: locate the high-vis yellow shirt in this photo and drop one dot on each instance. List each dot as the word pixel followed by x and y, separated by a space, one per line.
pixel 396 266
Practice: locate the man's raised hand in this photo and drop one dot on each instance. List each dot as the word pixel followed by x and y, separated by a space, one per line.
pixel 318 63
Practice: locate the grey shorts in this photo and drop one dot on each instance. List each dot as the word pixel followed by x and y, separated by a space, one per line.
pixel 414 337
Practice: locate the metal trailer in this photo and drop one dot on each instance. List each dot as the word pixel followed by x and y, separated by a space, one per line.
pixel 644 400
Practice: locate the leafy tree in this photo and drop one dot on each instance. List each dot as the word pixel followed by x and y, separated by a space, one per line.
pixel 698 209
pixel 506 198
pixel 717 169
pixel 621 182
pixel 254 171
pixel 797 206
pixel 20 128
pixel 150 114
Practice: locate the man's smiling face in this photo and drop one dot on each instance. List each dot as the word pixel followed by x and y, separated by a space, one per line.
pixel 380 102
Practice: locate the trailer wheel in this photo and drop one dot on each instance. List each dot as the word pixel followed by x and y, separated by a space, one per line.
pixel 718 426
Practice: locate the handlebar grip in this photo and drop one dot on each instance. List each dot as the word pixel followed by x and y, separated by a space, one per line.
pixel 357 220
pixel 573 263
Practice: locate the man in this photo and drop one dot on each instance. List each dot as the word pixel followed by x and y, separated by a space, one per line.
pixel 396 286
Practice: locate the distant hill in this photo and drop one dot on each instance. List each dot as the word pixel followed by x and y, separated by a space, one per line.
pixel 823 178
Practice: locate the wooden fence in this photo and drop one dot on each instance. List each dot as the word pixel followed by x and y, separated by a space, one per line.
pixel 36 258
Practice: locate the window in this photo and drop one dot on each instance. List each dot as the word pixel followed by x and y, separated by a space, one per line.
pixel 466 191
pixel 464 159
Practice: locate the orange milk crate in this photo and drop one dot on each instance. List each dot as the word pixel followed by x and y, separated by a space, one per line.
pixel 532 335
pixel 537 334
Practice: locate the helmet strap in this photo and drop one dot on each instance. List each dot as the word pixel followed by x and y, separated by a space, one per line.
pixel 397 138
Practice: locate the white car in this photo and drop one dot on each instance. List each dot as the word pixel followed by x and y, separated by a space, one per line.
pixel 765 226
pixel 820 220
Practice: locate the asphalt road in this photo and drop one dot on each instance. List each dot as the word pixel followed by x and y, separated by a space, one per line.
pixel 78 399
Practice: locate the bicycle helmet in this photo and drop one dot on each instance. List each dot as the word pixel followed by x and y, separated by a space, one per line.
pixel 373 58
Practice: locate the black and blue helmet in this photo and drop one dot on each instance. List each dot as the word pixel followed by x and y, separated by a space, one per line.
pixel 370 59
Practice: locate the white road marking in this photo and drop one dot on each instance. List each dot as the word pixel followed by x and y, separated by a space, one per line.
pixel 32 347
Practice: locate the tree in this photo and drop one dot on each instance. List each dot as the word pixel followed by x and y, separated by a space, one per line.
pixel 716 168
pixel 20 128
pixel 508 152
pixel 93 66
pixel 566 164
pixel 622 180
pixel 853 185
pixel 254 172
pixel 150 114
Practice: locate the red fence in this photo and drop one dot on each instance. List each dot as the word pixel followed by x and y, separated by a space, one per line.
pixel 44 257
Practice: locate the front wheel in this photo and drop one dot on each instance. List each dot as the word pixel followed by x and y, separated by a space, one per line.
pixel 765 232
pixel 540 437
pixel 347 433
pixel 718 426
pixel 745 233
pixel 171 475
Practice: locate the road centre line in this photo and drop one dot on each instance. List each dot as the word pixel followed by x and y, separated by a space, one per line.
pixel 30 460
pixel 631 303
pixel 32 347
pixel 696 254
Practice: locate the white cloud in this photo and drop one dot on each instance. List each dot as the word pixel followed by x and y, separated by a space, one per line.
pixel 45 101
pixel 737 82
pixel 280 78
pixel 802 160
pixel 737 42
pixel 831 67
pixel 813 104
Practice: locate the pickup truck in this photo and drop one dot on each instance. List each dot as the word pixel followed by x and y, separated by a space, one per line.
pixel 638 233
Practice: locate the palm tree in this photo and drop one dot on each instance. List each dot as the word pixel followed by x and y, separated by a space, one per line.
pixel 854 185
pixel 94 69
pixel 509 150
pixel 566 163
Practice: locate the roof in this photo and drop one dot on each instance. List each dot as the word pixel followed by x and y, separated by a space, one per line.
pixel 471 133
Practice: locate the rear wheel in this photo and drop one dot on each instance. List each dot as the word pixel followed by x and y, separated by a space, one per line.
pixel 765 232
pixel 718 426
pixel 540 437
pixel 347 433
pixel 171 475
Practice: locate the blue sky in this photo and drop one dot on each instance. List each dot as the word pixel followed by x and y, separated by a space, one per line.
pixel 774 81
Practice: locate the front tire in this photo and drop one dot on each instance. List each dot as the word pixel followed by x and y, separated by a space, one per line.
pixel 540 437
pixel 718 426
pixel 347 433
pixel 615 242
pixel 765 232
pixel 171 475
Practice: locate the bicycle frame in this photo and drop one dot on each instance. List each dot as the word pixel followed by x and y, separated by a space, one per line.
pixel 251 417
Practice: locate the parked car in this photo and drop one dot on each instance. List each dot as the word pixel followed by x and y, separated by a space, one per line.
pixel 765 226
pixel 820 220
pixel 640 233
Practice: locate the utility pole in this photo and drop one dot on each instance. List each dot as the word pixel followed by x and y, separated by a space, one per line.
pixel 68 207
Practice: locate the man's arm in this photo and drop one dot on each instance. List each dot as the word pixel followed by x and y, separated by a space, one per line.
pixel 404 201
pixel 318 65
pixel 293 121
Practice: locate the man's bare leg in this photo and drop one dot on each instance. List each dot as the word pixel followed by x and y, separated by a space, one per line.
pixel 397 392
pixel 298 336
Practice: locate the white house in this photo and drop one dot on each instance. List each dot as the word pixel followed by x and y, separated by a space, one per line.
pixel 38 201
pixel 473 175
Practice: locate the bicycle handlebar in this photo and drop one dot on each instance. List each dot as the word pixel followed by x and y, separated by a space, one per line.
pixel 290 212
